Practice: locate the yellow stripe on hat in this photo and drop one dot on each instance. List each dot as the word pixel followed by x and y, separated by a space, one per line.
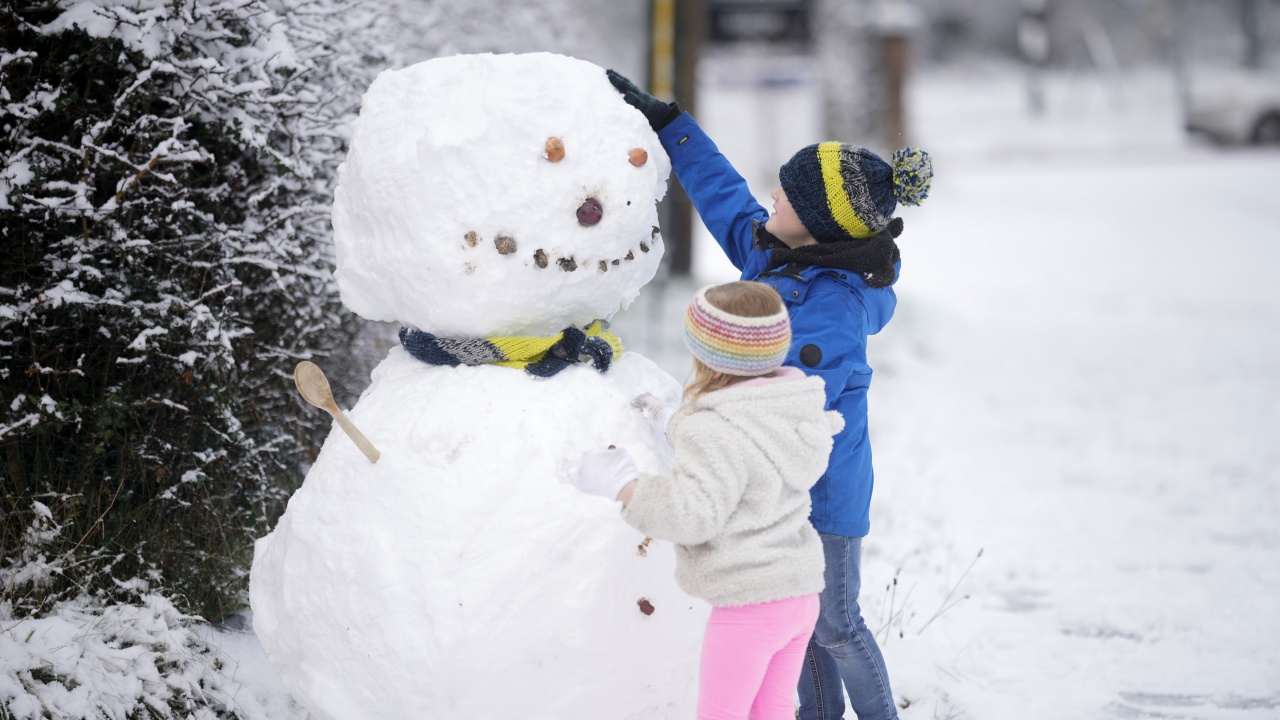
pixel 837 200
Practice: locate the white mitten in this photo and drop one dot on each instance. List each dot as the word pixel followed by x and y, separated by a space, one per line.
pixel 654 410
pixel 605 473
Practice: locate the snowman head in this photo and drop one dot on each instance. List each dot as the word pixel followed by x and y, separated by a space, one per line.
pixel 489 195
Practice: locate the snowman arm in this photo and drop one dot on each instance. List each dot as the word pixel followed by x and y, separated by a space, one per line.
pixel 718 191
pixel 706 484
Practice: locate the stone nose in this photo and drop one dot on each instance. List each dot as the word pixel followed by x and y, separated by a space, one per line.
pixel 590 212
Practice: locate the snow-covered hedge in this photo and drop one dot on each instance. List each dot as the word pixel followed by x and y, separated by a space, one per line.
pixel 143 659
pixel 166 169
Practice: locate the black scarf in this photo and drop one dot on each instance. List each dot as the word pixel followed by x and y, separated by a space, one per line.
pixel 873 258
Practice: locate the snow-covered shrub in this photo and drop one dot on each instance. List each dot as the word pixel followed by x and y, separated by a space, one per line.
pixel 166 169
pixel 143 659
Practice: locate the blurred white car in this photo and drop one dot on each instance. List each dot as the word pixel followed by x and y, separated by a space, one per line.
pixel 1235 107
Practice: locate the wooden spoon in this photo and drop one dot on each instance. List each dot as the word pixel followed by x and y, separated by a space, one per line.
pixel 314 387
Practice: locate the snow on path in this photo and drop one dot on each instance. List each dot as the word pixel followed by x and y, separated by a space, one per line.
pixel 1081 382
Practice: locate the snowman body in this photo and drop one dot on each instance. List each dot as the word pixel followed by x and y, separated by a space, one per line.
pixel 462 575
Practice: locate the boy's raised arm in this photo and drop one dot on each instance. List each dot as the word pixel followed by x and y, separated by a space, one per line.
pixel 720 194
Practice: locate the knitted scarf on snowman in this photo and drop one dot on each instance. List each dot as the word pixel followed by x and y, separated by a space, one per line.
pixel 538 356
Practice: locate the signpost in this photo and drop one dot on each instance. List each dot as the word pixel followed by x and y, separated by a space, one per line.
pixel 771 21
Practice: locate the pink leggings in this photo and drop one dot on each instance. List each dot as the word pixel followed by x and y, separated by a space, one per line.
pixel 751 659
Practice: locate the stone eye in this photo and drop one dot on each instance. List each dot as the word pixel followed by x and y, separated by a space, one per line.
pixel 555 149
pixel 638 157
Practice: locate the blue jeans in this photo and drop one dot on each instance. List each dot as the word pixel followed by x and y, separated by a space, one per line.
pixel 842 649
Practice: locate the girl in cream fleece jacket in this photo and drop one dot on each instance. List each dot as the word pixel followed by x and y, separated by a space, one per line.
pixel 750 440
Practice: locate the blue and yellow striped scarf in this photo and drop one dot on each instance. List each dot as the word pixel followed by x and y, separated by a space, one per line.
pixel 538 356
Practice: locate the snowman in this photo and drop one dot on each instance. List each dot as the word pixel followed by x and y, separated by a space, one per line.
pixel 498 208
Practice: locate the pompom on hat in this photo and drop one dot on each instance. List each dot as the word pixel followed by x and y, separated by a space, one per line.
pixel 845 192
pixel 734 344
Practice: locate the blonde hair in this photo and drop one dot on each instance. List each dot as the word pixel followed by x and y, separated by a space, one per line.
pixel 744 299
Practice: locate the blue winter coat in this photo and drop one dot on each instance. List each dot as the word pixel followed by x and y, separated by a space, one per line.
pixel 832 313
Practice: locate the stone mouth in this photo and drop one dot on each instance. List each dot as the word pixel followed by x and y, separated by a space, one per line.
pixel 504 244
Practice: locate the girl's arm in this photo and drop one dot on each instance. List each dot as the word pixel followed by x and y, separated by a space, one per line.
pixel 706 484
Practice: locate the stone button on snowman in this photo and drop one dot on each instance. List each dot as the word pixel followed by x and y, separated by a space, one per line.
pixel 497 207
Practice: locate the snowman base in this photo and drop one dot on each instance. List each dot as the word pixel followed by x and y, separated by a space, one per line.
pixel 462 575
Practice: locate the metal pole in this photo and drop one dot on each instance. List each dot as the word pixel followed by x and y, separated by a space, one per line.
pixel 895 51
pixel 662 42
pixel 1251 21
pixel 1033 44
pixel 1181 55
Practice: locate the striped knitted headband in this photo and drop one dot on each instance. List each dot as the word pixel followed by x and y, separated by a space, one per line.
pixel 733 344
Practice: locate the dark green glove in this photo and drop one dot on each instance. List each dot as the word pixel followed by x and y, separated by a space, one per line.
pixel 658 113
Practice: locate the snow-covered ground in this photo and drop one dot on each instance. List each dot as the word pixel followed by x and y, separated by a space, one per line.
pixel 1080 386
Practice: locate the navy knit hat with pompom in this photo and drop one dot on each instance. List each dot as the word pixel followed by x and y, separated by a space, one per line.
pixel 846 192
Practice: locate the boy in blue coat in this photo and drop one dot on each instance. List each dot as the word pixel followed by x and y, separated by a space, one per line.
pixel 829 249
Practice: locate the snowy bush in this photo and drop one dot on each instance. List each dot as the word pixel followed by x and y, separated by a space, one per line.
pixel 166 170
pixel 135 660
